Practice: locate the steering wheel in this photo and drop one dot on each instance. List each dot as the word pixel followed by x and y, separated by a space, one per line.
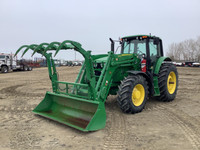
pixel 140 53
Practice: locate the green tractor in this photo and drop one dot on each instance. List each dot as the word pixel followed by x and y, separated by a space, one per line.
pixel 140 71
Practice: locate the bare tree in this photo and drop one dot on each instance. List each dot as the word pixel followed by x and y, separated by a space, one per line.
pixel 188 50
pixel 198 48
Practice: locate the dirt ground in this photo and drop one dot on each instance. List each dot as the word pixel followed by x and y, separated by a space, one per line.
pixel 160 126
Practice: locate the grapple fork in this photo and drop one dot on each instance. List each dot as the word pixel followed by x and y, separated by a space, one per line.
pixel 73 104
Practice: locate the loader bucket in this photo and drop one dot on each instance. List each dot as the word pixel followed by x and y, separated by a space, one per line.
pixel 82 114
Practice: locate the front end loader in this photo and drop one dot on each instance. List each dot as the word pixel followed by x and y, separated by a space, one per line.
pixel 81 104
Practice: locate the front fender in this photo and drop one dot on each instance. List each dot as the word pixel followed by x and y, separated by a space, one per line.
pixel 147 77
pixel 138 73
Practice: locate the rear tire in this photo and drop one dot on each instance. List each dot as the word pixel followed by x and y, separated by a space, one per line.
pixel 25 68
pixel 4 69
pixel 133 94
pixel 168 82
pixel 30 68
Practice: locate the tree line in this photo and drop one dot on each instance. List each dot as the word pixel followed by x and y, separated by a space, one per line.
pixel 188 50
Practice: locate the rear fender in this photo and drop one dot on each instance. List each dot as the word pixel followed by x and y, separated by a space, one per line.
pixel 159 62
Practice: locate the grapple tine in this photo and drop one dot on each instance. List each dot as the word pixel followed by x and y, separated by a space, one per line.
pixel 29 47
pixel 59 48
pixel 43 47
pixel 63 45
pixel 33 46
pixel 25 51
pixel 20 49
pixel 51 46
pixel 40 48
pixel 35 50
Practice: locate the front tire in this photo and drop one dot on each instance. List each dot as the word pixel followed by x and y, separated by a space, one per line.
pixel 133 94
pixel 168 82
pixel 4 69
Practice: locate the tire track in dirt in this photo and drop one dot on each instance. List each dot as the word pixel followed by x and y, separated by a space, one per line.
pixel 24 139
pixel 118 133
pixel 10 120
pixel 12 91
pixel 116 127
pixel 17 109
pixel 189 126
pixel 18 115
pixel 20 111
pixel 116 138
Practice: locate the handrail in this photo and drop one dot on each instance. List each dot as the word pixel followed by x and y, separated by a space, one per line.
pixel 74 90
pixel 85 85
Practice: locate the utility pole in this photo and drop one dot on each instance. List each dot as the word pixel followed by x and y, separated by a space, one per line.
pixel 75 55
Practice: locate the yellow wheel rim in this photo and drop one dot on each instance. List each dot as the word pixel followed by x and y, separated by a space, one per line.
pixel 171 82
pixel 138 95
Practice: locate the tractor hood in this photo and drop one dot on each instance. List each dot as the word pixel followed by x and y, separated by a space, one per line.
pixel 100 58
pixel 103 59
pixel 118 57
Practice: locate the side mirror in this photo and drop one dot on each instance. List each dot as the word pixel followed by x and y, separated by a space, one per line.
pixel 120 40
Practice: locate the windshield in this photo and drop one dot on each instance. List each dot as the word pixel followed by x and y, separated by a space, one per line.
pixel 134 46
pixel 2 56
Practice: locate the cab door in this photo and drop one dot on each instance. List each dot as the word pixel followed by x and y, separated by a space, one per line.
pixel 8 62
pixel 154 51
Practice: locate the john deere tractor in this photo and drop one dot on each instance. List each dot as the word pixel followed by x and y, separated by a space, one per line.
pixel 140 71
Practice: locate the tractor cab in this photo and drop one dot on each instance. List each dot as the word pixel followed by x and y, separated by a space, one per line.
pixel 145 46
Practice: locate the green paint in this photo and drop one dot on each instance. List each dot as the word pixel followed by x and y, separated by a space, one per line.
pixel 81 104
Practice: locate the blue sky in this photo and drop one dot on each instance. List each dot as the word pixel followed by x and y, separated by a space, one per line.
pixel 92 22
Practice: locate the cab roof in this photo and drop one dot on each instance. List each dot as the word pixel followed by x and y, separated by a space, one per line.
pixel 140 35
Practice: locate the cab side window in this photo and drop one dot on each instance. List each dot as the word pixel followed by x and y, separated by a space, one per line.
pixel 126 48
